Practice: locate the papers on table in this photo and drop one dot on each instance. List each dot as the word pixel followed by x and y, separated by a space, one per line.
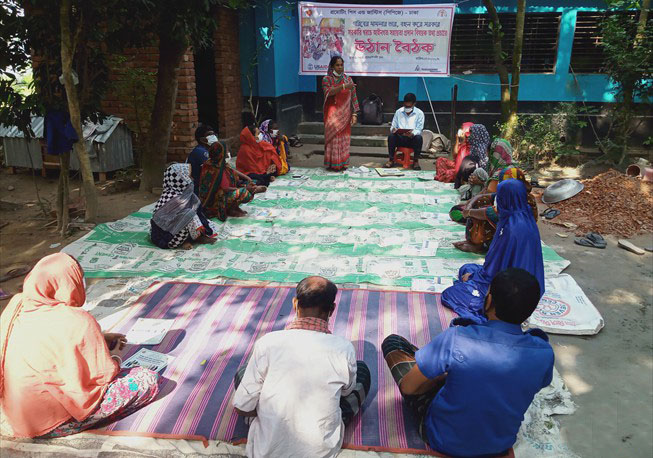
pixel 149 359
pixel 431 285
pixel 148 331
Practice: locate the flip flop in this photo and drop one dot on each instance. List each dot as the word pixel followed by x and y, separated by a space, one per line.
pixel 627 245
pixel 597 239
pixel 550 213
pixel 13 273
pixel 591 240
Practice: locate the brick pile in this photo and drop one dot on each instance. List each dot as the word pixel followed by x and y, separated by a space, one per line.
pixel 610 203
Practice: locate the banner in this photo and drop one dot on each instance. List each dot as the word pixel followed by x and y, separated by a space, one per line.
pixel 376 40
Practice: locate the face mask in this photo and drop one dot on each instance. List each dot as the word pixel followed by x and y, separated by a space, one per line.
pixel 408 110
pixel 275 132
pixel 211 139
pixel 337 74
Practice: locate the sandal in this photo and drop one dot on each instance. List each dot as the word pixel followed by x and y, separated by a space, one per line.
pixel 550 213
pixel 14 273
pixel 591 240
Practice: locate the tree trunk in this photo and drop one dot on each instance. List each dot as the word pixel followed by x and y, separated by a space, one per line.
pixel 171 52
pixel 643 18
pixel 68 45
pixel 497 51
pixel 63 191
pixel 516 68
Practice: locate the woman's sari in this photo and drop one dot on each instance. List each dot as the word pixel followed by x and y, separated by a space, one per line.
pixel 481 232
pixel 338 111
pixel 516 244
pixel 281 144
pixel 256 157
pixel 446 169
pixel 215 199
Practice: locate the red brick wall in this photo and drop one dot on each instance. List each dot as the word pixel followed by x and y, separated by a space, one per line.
pixel 227 74
pixel 185 118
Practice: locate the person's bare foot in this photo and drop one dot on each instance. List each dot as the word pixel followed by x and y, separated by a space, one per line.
pixel 469 247
pixel 187 246
pixel 259 189
pixel 205 240
pixel 389 165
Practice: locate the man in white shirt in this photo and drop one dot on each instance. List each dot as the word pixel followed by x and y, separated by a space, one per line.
pixel 303 384
pixel 406 130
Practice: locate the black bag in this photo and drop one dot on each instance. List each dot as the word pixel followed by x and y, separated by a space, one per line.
pixel 372 112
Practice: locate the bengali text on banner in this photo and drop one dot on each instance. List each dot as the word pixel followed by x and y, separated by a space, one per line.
pixel 376 40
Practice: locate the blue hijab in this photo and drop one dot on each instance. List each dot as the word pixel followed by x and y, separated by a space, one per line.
pixel 516 243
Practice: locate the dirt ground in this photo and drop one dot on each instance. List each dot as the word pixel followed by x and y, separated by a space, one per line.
pixel 610 374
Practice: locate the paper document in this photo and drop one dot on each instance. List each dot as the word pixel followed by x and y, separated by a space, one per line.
pixel 427 248
pixel 431 285
pixel 152 360
pixel 389 172
pixel 148 331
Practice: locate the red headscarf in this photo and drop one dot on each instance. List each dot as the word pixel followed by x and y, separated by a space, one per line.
pixel 55 362
pixel 255 157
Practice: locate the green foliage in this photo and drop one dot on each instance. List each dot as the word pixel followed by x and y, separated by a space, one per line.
pixel 548 135
pixel 628 56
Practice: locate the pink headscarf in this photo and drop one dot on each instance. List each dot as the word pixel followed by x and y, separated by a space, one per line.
pixel 55 361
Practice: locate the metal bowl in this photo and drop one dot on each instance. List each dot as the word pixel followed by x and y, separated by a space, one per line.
pixel 562 190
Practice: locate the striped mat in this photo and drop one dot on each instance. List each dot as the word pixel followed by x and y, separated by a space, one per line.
pixel 214 332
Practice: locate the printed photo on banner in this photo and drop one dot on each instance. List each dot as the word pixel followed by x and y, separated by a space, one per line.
pixel 376 40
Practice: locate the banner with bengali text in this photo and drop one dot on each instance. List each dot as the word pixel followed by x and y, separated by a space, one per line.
pixel 376 40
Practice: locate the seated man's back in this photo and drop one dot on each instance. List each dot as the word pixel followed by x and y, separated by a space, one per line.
pixel 493 372
pixel 298 377
pixel 302 384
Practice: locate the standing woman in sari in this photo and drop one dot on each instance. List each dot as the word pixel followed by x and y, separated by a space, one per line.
pixel 340 107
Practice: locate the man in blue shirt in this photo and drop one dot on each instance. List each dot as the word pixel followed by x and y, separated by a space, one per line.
pixel 406 130
pixel 205 137
pixel 471 386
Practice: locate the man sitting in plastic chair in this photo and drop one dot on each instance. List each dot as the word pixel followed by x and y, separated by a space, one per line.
pixel 406 131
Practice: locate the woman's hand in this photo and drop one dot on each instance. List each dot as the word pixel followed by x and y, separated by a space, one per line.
pixel 115 342
pixel 350 86
pixel 466 277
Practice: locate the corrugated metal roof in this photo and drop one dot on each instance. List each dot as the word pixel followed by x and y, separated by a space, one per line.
pixel 98 133
pixel 14 132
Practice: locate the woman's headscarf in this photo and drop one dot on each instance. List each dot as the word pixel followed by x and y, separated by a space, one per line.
pixel 265 131
pixel 513 173
pixel 55 361
pixel 175 181
pixel 501 155
pixel 255 157
pixel 479 141
pixel 516 242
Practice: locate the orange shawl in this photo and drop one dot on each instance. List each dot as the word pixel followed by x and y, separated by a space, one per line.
pixel 55 362
pixel 254 157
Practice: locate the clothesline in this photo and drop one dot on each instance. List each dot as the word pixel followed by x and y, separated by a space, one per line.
pixel 480 82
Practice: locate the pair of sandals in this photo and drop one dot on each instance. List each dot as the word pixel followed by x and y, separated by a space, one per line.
pixel 391 164
pixel 550 213
pixel 591 240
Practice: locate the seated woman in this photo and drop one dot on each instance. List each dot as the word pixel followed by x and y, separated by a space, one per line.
pixel 446 169
pixel 221 193
pixel 59 373
pixel 480 215
pixel 516 244
pixel 256 159
pixel 476 184
pixel 269 132
pixel 178 218
pixel 479 142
